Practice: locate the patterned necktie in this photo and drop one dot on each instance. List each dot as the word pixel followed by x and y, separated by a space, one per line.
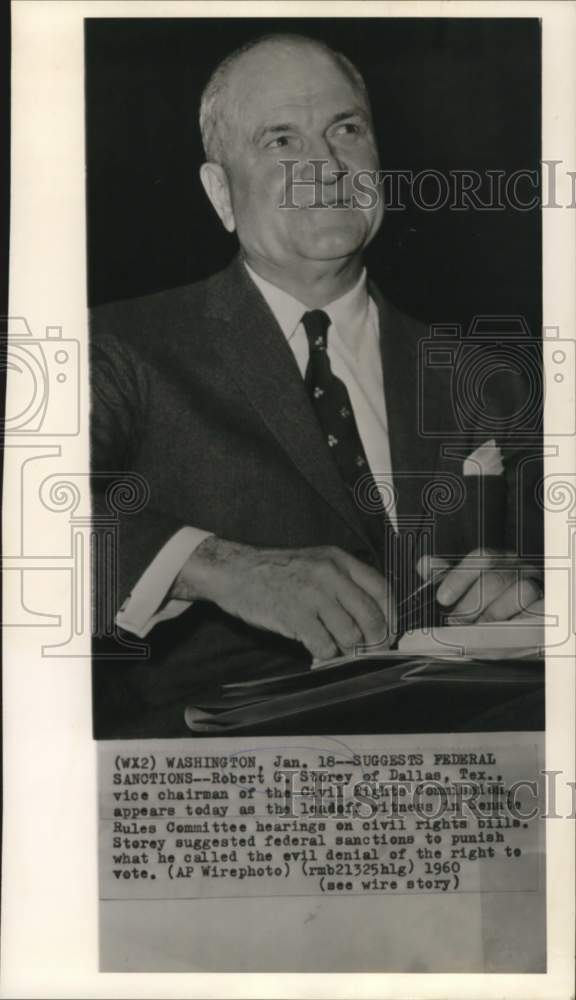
pixel 334 410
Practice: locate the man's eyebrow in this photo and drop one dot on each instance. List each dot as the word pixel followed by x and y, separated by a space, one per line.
pixel 351 113
pixel 274 128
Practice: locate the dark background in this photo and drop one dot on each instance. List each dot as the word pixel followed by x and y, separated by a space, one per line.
pixel 447 94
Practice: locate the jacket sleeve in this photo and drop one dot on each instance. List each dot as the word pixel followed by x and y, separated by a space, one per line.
pixel 120 497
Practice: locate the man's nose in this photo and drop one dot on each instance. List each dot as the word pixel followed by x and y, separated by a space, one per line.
pixel 321 163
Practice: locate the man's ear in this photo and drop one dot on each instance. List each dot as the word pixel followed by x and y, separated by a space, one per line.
pixel 216 186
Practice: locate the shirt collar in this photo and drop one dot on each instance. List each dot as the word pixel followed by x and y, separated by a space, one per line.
pixel 348 313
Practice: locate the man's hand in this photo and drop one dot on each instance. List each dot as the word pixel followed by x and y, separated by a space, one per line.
pixel 322 597
pixel 486 586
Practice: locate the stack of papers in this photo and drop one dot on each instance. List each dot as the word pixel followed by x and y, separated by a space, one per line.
pixel 490 641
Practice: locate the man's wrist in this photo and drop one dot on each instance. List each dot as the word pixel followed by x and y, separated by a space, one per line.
pixel 197 578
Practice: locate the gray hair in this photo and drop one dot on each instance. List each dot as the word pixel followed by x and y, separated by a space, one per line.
pixel 214 122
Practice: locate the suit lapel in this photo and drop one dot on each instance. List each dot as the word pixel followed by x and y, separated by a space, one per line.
pixel 414 455
pixel 256 353
pixel 258 357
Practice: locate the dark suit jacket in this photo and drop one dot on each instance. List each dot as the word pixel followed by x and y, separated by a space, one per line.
pixel 198 404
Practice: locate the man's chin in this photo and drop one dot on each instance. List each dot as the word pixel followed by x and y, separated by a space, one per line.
pixel 333 243
pixel 334 234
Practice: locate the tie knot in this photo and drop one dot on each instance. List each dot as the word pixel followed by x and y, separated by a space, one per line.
pixel 316 325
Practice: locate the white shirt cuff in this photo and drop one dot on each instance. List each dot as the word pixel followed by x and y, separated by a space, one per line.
pixel 143 608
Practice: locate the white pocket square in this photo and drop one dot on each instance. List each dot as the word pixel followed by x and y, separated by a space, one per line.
pixel 484 461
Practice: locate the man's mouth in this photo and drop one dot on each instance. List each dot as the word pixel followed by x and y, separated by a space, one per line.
pixel 324 202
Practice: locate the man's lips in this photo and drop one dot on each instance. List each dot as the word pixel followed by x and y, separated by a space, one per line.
pixel 317 199
pixel 328 203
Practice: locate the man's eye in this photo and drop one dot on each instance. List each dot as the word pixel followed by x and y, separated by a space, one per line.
pixel 347 128
pixel 279 142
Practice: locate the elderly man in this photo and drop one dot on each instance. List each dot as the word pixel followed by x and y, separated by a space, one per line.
pixel 274 411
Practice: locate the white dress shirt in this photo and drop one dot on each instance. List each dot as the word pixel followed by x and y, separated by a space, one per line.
pixel 354 352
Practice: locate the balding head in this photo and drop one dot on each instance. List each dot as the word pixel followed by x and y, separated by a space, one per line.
pixel 255 61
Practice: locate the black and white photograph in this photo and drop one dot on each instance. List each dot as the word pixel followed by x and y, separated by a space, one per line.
pixel 314 255
pixel 289 500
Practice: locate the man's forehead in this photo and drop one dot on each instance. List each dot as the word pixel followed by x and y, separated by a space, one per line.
pixel 303 107
pixel 278 75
